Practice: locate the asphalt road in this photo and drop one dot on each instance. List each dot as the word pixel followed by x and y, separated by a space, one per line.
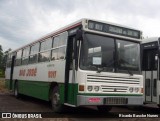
pixel 8 103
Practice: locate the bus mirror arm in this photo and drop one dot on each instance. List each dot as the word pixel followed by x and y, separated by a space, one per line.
pixel 79 35
pixel 158 52
pixel 77 38
pixel 159 47
pixel 75 55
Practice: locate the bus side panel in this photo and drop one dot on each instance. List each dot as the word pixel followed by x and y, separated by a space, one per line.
pixel 38 85
pixel 72 93
pixel 61 91
pixel 35 89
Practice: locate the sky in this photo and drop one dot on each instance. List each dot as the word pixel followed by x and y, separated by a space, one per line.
pixel 23 21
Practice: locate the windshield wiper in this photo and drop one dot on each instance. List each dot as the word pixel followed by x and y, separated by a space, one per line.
pixel 123 61
pixel 99 70
pixel 130 73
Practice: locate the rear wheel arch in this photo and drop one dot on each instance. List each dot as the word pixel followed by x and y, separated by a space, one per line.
pixel 52 86
pixel 57 106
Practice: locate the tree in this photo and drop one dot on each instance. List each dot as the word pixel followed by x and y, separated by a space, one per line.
pixel 1 56
pixel 4 60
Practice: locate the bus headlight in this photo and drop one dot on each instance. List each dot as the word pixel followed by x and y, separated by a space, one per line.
pixel 131 89
pixel 96 88
pixel 90 88
pixel 136 89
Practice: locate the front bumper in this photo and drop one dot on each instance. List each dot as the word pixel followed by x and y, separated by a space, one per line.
pixel 83 100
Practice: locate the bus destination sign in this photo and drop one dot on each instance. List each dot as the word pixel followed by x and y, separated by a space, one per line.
pixel 114 29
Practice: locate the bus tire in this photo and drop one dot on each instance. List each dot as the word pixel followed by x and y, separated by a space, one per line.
pixel 16 93
pixel 55 100
pixel 104 108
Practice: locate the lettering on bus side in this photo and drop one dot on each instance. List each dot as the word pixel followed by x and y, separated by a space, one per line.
pixel 22 72
pixel 31 72
pixel 28 72
pixel 52 74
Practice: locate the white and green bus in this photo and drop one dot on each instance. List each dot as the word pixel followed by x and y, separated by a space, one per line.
pixel 150 49
pixel 87 63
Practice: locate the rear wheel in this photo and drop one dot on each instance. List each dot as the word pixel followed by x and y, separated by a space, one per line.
pixel 55 100
pixel 104 108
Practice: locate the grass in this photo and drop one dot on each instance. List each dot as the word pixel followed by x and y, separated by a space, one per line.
pixel 3 89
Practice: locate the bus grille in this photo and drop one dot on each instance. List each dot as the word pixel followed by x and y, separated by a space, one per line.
pixel 115 100
pixel 113 84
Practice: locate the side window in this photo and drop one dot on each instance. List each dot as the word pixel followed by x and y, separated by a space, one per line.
pixel 149 62
pixel 25 56
pixel 45 47
pixel 54 51
pixel 34 53
pixel 18 58
pixel 59 46
pixel 9 59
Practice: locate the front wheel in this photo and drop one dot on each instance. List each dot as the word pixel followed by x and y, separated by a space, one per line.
pixel 55 100
pixel 104 108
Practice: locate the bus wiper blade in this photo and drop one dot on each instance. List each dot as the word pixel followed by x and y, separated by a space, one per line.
pixel 130 73
pixel 99 70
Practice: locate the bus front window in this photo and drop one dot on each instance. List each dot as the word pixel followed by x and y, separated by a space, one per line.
pixel 109 54
pixel 128 55
pixel 97 52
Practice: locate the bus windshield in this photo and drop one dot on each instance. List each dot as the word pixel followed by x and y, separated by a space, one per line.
pixel 109 54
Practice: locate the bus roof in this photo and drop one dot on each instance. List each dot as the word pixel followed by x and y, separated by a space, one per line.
pixel 72 25
pixel 151 39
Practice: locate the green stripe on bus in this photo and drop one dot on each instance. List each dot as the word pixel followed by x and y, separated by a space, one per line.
pixel 40 90
pixel 35 89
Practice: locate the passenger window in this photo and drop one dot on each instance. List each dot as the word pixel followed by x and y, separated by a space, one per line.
pixel 55 42
pixel 34 53
pixel 44 56
pixel 34 49
pixel 46 45
pixel 18 58
pixel 25 56
pixel 59 46
pixel 61 53
pixel 54 54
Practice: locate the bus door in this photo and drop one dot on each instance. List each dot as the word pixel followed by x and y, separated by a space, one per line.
pixel 70 73
pixel 11 72
pixel 150 72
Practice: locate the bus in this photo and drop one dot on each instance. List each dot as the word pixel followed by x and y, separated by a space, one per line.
pixel 150 70
pixel 87 63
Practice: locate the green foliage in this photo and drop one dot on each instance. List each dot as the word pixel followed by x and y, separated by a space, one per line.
pixel 1 65
pixel 3 60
